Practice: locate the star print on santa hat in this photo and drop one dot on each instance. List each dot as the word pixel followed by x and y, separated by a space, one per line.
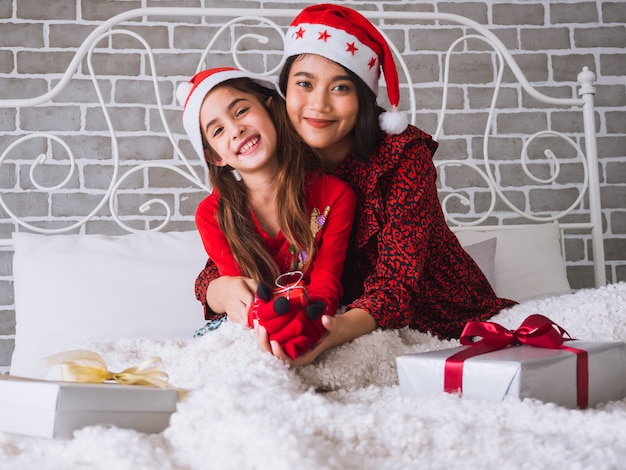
pixel 348 38
pixel 324 36
pixel 352 48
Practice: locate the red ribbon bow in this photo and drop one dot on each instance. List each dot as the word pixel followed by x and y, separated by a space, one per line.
pixel 536 331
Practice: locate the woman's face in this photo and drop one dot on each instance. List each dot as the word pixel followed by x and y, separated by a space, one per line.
pixel 322 104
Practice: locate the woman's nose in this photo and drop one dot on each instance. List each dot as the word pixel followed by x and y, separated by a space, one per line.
pixel 318 100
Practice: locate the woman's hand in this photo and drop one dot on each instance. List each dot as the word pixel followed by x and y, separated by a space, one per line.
pixel 233 295
pixel 341 329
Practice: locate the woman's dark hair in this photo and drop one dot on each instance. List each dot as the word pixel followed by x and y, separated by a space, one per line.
pixel 366 133
pixel 295 158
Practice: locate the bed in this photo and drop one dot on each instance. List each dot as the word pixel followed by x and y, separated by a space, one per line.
pixel 105 255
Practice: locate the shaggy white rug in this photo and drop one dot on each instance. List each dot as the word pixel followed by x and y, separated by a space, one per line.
pixel 248 411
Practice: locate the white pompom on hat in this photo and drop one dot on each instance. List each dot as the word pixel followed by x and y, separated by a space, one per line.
pixel 345 36
pixel 191 94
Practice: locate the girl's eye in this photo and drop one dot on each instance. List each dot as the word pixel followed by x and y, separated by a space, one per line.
pixel 241 111
pixel 304 84
pixel 217 131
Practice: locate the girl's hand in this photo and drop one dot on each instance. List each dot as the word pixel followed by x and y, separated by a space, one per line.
pixel 233 295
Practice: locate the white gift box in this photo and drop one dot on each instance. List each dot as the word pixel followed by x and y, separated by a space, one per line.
pixel 548 375
pixel 56 409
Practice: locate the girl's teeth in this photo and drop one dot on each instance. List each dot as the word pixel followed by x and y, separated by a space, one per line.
pixel 249 145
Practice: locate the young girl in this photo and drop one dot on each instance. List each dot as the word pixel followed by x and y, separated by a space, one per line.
pixel 404 266
pixel 268 212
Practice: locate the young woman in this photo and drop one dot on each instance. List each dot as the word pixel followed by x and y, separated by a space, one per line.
pixel 404 266
pixel 269 211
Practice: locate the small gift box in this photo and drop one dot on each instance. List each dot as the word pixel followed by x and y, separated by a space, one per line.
pixel 47 408
pixel 535 361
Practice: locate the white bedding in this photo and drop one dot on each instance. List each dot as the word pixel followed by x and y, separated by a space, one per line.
pixel 247 410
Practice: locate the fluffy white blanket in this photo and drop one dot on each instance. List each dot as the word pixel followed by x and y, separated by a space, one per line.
pixel 247 410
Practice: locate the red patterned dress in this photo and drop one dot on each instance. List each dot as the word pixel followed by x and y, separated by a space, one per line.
pixel 404 265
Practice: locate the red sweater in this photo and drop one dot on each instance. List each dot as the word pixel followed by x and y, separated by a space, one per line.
pixel 404 265
pixel 331 205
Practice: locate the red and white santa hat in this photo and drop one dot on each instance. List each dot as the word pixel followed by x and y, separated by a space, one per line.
pixel 345 36
pixel 191 94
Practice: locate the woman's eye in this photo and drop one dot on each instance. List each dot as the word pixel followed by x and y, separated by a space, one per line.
pixel 341 88
pixel 304 84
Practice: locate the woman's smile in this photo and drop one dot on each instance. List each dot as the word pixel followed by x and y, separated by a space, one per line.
pixel 319 123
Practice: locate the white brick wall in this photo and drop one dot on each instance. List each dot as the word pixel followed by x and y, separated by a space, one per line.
pixel 551 41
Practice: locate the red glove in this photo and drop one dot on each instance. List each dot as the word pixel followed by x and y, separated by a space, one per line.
pixel 289 318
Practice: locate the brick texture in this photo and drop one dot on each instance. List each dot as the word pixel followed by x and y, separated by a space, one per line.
pixel 550 40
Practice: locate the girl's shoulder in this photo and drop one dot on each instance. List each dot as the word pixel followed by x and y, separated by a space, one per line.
pixel 330 186
pixel 209 203
pixel 317 179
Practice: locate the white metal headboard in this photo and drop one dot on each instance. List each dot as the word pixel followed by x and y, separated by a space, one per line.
pixel 266 28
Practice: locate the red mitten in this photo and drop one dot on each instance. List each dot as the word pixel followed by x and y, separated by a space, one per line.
pixel 279 317
pixel 303 330
pixel 314 312
pixel 307 334
pixel 288 316
pixel 268 309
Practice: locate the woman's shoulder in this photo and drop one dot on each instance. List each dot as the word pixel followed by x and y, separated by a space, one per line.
pixel 410 135
pixel 411 145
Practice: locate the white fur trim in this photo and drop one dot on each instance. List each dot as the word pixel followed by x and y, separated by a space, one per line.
pixel 182 92
pixel 335 49
pixel 393 122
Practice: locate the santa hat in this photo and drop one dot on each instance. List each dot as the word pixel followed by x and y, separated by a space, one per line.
pixel 191 95
pixel 348 38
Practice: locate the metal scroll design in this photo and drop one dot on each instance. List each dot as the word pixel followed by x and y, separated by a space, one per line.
pixel 186 170
pixel 487 174
pixel 192 175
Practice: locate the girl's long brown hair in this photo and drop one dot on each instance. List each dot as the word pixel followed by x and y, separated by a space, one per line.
pixel 295 158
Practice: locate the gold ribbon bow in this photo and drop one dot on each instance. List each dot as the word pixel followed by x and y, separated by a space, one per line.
pixel 87 366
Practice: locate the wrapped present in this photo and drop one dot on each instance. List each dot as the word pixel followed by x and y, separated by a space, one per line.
pixel 138 398
pixel 538 360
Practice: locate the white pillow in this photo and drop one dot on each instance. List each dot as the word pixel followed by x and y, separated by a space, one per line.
pixel 73 289
pixel 484 254
pixel 528 263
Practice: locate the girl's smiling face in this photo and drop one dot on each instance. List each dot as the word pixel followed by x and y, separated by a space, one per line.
pixel 239 129
pixel 322 104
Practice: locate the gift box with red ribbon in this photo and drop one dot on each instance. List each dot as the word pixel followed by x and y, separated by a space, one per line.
pixel 538 360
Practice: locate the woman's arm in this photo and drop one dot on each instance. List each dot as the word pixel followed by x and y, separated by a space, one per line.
pixel 407 210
